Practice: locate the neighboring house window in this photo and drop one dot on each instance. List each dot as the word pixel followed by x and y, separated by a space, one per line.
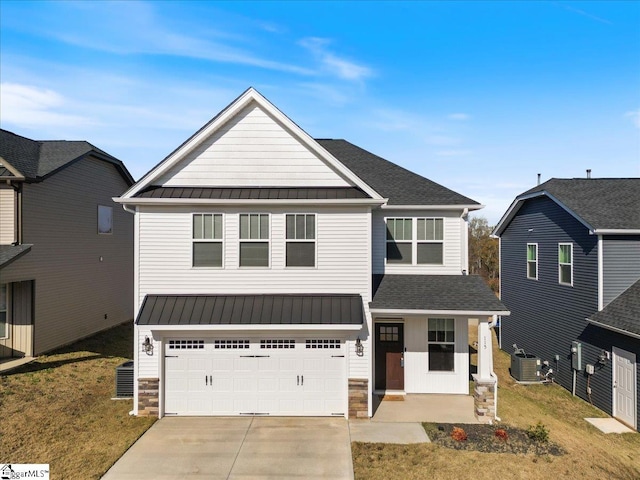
pixel 430 241
pixel 399 240
pixel 3 310
pixel 301 240
pixel 565 263
pixel 105 220
pixel 532 260
pixel 207 240
pixel 441 340
pixel 254 240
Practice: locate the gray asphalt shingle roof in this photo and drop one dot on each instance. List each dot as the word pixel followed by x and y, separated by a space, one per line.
pixel 399 185
pixel 435 292
pixel 603 203
pixel 36 159
pixel 623 313
pixel 9 253
pixel 313 309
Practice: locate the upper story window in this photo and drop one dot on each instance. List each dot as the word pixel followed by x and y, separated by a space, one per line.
pixel 532 261
pixel 441 341
pixel 425 247
pixel 254 240
pixel 430 241
pixel 301 240
pixel 105 220
pixel 3 310
pixel 399 240
pixel 207 240
pixel 565 263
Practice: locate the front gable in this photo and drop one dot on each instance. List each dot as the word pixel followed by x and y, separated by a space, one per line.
pixel 250 144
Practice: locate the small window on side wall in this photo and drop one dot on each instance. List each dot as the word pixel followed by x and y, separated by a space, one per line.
pixel 565 263
pixel 532 261
pixel 105 220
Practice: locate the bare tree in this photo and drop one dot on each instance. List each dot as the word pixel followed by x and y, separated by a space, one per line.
pixel 483 252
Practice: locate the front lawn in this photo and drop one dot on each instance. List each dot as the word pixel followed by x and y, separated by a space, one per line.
pixel 58 409
pixel 588 453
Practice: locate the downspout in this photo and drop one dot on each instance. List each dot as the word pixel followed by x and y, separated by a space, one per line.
pixel 128 210
pixel 493 373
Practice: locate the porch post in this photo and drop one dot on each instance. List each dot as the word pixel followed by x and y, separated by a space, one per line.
pixel 485 382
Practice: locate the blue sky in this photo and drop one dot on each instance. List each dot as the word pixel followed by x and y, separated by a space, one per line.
pixel 478 96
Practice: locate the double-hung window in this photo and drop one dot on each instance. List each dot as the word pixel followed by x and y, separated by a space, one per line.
pixel 207 240
pixel 254 240
pixel 3 310
pixel 105 220
pixel 532 261
pixel 565 263
pixel 430 241
pixel 441 341
pixel 301 240
pixel 399 240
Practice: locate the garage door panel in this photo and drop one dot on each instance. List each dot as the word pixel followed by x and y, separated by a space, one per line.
pixel 222 364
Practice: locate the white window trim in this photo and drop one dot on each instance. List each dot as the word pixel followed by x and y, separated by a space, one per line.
pixel 429 343
pixel 254 240
pixel 560 264
pixel 414 242
pixel 536 260
pixel 7 310
pixel 208 240
pixel 301 240
pixel 110 232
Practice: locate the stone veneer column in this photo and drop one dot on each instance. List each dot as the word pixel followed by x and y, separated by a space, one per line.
pixel 148 395
pixel 484 399
pixel 358 398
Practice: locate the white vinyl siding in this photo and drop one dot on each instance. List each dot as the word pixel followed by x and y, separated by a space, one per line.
pixel 252 150
pixel 565 263
pixel 453 256
pixel 532 261
pixel 7 216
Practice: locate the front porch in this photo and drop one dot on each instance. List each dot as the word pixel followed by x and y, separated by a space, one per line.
pixel 416 407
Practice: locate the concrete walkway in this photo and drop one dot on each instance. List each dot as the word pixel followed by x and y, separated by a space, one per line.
pixel 9 364
pixel 239 448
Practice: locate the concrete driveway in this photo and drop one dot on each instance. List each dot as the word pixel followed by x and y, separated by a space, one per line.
pixel 239 448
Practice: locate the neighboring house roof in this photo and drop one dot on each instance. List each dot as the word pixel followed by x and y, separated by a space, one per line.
pixel 399 185
pixel 622 314
pixel 9 253
pixel 267 193
pixel 37 160
pixel 238 310
pixel 603 205
pixel 467 294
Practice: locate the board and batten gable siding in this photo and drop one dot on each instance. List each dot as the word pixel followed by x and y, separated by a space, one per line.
pixel 454 254
pixel 620 264
pixel 545 315
pixel 252 150
pixel 7 215
pixel 74 290
pixel 342 261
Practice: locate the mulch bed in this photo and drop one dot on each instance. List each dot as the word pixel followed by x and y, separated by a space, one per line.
pixel 482 438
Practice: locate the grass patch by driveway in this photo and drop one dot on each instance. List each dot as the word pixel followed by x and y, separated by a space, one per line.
pixel 58 409
pixel 588 453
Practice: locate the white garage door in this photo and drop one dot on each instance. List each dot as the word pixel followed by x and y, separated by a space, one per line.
pixel 236 376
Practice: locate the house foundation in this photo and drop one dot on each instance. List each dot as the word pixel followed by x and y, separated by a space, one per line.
pixel 358 398
pixel 148 396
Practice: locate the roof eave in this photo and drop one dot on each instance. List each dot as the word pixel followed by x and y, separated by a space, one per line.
pixel 245 202
pixel 614 329
pixel 254 327
pixel 615 231
pixel 433 207
pixel 405 311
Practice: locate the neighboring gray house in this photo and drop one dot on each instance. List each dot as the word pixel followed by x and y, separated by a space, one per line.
pixel 66 250
pixel 284 275
pixel 570 265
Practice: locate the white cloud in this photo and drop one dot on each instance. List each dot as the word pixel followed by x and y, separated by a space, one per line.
pixel 459 116
pixel 29 106
pixel 332 63
pixel 634 116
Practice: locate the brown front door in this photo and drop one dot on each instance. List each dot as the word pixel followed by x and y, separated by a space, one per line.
pixel 389 356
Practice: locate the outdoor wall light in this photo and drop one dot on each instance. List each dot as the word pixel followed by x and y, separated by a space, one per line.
pixel 359 347
pixel 147 346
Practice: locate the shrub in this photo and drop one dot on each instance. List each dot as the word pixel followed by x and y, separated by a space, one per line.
pixel 538 433
pixel 501 434
pixel 458 434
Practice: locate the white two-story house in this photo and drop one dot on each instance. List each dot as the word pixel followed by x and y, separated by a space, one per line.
pixel 277 274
